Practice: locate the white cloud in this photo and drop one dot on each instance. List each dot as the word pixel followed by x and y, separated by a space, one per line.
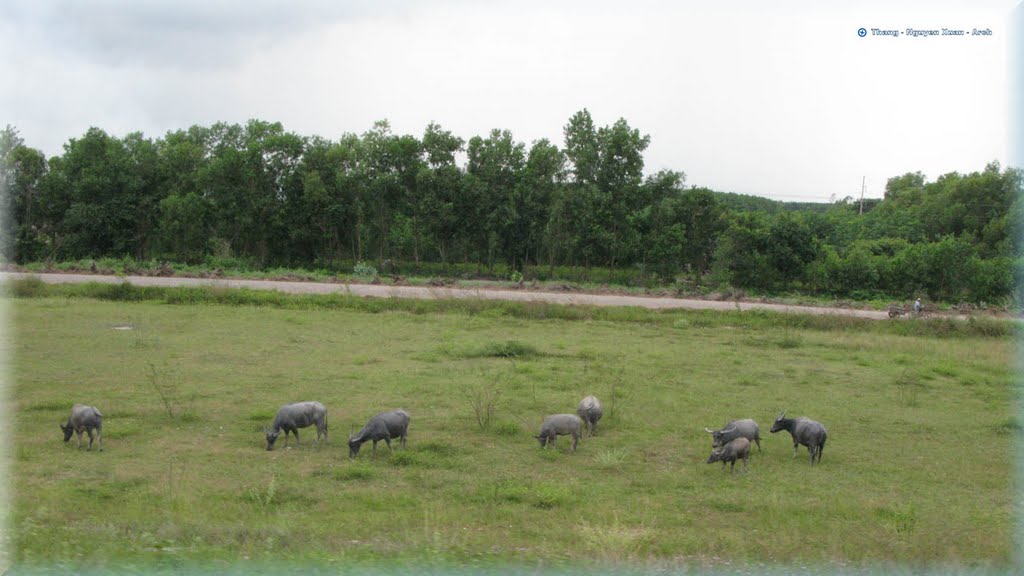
pixel 780 100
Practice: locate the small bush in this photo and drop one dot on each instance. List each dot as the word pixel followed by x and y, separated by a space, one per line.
pixel 1009 426
pixel 55 405
pixel 614 541
pixel 946 369
pixel 364 270
pixel 508 349
pixel 547 496
pixel 727 506
pixel 908 386
pixel 505 490
pixel 990 328
pixel 189 416
pixel 407 459
pixel 549 455
pixel 506 428
pixel 31 287
pixel 484 401
pixel 612 458
pixel 357 471
pixel 902 521
pixel 120 431
pixel 167 386
pixel 262 497
pixel 437 449
pixel 789 341
pixel 262 415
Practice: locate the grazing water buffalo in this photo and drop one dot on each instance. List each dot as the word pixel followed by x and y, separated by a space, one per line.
pixel 84 418
pixel 383 426
pixel 291 417
pixel 804 431
pixel 745 428
pixel 730 452
pixel 590 411
pixel 560 425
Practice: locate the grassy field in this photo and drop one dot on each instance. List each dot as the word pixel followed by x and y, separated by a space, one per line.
pixel 916 470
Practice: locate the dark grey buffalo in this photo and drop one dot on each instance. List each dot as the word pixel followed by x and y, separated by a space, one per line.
pixel 804 431
pixel 590 411
pixel 383 426
pixel 291 417
pixel 738 448
pixel 745 428
pixel 84 419
pixel 560 425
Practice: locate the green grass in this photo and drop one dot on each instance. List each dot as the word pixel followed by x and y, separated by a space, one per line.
pixel 916 470
pixel 780 326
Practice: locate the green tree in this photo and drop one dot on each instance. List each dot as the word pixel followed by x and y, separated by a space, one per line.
pixel 741 257
pixel 253 172
pixel 185 210
pixel 92 194
pixel 184 226
pixel 22 169
pixel 582 148
pixel 790 247
pixel 438 184
pixel 607 169
pixel 495 165
pixel 145 186
pixel 703 223
pixel 660 221
pixel 909 185
pixel 392 163
pixel 542 177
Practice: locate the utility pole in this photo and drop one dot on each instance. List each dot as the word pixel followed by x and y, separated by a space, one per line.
pixel 862 195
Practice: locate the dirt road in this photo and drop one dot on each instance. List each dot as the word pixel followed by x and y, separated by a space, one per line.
pixel 379 291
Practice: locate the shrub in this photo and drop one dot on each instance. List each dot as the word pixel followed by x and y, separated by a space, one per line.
pixel 612 458
pixel 484 400
pixel 547 496
pixel 357 471
pixel 364 270
pixel 506 428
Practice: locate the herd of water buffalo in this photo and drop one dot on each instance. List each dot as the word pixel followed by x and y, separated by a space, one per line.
pixel 729 444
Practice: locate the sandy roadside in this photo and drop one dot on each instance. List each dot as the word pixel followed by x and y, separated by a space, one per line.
pixel 422 292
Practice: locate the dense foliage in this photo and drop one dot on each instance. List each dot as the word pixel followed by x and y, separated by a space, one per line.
pixel 259 194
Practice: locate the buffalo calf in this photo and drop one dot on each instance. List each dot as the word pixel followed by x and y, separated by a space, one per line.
pixel 738 448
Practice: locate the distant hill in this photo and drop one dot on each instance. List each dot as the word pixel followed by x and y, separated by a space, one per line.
pixel 748 203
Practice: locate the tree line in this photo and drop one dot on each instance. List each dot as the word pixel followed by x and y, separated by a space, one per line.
pixel 260 194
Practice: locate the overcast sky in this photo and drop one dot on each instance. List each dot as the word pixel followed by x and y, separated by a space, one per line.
pixel 783 100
